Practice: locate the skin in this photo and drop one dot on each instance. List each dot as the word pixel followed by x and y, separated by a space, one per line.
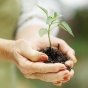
pixel 38 43
pixel 23 53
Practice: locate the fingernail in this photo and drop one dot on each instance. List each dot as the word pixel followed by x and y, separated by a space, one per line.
pixel 59 84
pixel 44 58
pixel 65 78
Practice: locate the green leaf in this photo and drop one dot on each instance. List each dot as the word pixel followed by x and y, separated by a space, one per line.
pixel 43 9
pixel 62 27
pixel 42 31
pixel 66 27
pixel 55 15
pixel 49 20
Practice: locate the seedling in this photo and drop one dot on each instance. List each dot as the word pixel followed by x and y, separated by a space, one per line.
pixel 54 55
pixel 53 20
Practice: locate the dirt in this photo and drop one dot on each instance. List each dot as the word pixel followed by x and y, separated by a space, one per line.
pixel 55 56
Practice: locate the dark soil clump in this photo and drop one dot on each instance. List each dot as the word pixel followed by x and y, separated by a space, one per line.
pixel 55 56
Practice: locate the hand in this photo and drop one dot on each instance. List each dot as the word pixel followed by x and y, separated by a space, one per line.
pixel 30 61
pixel 43 42
pixel 38 43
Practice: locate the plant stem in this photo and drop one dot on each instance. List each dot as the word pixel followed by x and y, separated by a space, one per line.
pixel 55 22
pixel 49 35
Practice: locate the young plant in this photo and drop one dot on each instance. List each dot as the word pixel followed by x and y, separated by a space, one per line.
pixel 54 55
pixel 53 20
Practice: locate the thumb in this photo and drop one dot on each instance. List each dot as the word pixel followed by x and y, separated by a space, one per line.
pixel 35 55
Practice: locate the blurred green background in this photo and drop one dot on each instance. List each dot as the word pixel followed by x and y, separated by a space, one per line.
pixel 79 24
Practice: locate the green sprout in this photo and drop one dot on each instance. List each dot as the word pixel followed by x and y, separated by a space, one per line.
pixel 55 19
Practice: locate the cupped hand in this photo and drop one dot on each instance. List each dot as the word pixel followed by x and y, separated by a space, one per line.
pixel 43 42
pixel 47 72
pixel 30 62
pixel 65 79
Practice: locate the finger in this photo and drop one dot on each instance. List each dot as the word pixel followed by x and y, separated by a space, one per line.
pixel 68 77
pixel 37 67
pixel 48 77
pixel 58 83
pixel 71 55
pixel 20 60
pixel 46 68
pixel 69 63
pixel 71 73
pixel 64 48
pixel 68 51
pixel 34 55
pixel 24 48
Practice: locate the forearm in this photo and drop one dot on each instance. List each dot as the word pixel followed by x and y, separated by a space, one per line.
pixel 30 33
pixel 4 49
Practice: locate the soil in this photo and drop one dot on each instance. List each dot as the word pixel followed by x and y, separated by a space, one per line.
pixel 55 56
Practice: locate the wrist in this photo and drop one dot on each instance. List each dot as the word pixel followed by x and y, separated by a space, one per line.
pixel 28 32
pixel 5 49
